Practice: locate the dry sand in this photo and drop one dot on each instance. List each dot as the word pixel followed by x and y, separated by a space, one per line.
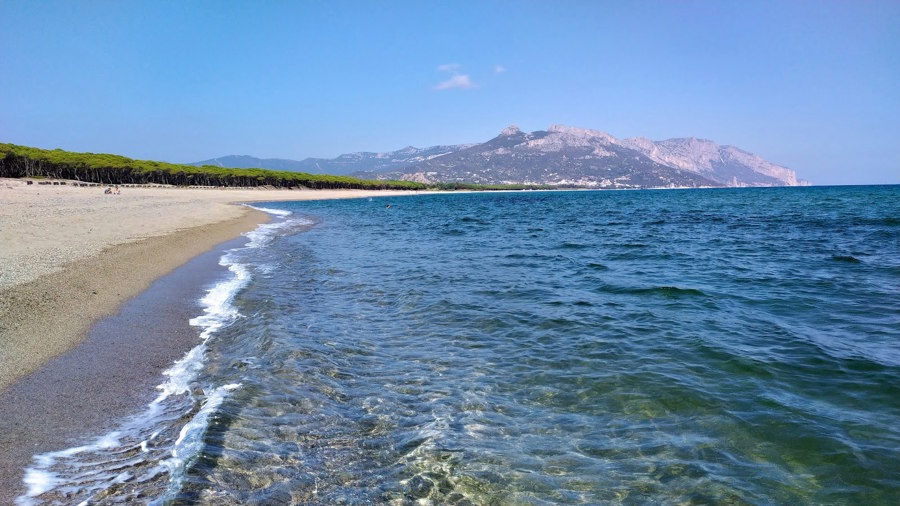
pixel 72 255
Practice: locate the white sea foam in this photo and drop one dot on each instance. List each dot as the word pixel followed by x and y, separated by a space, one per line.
pixel 91 468
pixel 282 213
pixel 190 439
pixel 38 479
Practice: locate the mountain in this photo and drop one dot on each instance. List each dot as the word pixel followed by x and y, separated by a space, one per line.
pixel 363 162
pixel 727 165
pixel 580 157
pixel 251 162
pixel 560 155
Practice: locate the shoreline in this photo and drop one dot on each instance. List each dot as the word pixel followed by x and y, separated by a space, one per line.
pixel 88 391
pixel 74 260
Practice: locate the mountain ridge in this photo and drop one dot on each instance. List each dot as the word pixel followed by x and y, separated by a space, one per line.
pixel 561 155
pixel 345 164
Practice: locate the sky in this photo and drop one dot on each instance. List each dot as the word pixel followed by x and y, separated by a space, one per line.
pixel 810 85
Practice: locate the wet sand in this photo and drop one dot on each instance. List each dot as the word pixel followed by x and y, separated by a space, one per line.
pixel 83 394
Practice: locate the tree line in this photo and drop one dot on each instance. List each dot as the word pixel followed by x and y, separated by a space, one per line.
pixel 22 161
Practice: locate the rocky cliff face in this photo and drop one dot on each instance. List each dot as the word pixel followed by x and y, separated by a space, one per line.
pixel 727 165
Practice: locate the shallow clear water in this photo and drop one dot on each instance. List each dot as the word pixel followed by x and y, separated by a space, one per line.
pixel 670 347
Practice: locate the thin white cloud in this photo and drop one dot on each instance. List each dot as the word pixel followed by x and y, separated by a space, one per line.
pixel 499 69
pixel 456 80
pixel 461 81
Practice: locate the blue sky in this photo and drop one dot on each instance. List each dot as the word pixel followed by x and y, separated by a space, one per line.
pixel 812 85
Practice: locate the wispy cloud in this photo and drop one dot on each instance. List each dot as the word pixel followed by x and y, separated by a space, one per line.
pixel 456 80
pixel 461 81
pixel 499 69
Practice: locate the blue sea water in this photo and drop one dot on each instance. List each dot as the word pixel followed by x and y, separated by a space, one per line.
pixel 722 346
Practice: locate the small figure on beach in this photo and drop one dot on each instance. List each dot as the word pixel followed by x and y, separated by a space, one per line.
pixel 116 191
pixel 108 191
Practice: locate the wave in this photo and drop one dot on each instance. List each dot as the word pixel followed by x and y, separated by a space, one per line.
pixel 850 259
pixel 157 445
pixel 283 213
pixel 671 292
pixel 574 245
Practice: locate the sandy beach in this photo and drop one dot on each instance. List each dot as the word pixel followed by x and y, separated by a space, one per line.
pixel 71 257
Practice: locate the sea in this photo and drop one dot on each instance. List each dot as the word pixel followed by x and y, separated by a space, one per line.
pixel 709 346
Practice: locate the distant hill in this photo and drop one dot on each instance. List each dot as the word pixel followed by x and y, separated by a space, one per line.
pixel 345 164
pixel 251 162
pixel 560 155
